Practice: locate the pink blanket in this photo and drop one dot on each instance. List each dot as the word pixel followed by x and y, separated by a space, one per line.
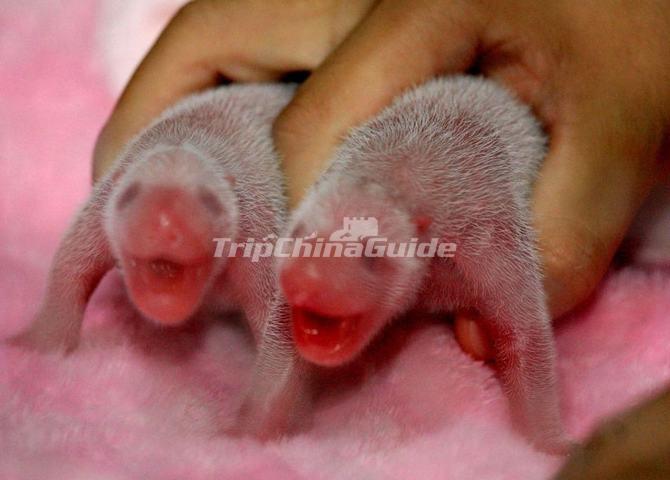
pixel 138 402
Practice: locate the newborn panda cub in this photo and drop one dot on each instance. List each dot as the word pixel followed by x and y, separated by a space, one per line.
pixel 205 169
pixel 452 160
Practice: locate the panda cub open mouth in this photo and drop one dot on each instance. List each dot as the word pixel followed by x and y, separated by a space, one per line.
pixel 325 339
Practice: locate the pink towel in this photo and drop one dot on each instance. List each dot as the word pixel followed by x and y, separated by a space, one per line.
pixel 138 402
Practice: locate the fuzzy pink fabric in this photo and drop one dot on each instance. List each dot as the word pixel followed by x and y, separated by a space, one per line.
pixel 138 402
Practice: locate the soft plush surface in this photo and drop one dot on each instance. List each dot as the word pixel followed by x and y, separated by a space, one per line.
pixel 138 402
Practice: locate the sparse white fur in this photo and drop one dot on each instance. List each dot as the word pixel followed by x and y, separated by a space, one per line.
pixel 464 153
pixel 219 140
pixel 460 151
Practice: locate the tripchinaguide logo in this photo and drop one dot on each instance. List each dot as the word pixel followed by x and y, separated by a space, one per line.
pixel 358 237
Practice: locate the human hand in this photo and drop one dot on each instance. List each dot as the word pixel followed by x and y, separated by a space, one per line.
pixel 597 77
pixel 209 41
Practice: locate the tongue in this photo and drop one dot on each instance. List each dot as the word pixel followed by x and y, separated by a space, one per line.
pixel 321 338
pixel 167 292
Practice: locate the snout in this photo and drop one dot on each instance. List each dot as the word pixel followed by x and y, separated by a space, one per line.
pixel 332 303
pixel 165 222
pixel 165 238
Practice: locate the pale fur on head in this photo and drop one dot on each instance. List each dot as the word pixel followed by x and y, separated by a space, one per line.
pixel 464 153
pixel 227 134
pixel 408 162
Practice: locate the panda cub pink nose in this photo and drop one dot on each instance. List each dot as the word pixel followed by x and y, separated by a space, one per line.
pixel 167 222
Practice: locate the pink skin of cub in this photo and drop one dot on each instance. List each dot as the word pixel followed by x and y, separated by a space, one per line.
pixel 166 282
pixel 339 304
pixel 453 160
pixel 175 188
pixel 205 169
pixel 162 235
